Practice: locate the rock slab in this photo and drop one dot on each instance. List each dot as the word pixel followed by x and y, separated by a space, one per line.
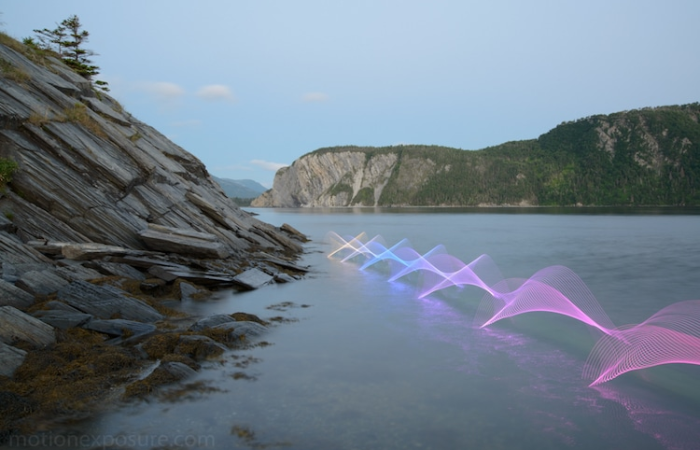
pixel 10 359
pixel 18 326
pixel 106 302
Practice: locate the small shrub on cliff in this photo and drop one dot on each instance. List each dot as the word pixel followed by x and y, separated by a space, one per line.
pixel 79 114
pixel 11 72
pixel 39 119
pixel 7 169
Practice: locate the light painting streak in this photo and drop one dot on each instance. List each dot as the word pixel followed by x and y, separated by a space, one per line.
pixel 672 335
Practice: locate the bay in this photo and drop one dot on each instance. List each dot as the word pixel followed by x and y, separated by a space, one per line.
pixel 363 363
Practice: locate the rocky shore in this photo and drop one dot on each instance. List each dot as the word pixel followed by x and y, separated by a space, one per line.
pixel 105 226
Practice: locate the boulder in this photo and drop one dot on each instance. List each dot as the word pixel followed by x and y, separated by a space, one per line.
pixel 41 282
pixel 177 371
pixel 183 241
pixel 125 330
pixel 106 302
pixel 211 321
pixel 199 348
pixel 72 271
pixel 283 263
pixel 252 279
pixel 11 245
pixel 11 295
pixel 62 319
pixel 18 326
pixel 203 277
pixel 190 292
pixel 294 233
pixel 241 330
pixel 56 305
pixel 10 359
pixel 116 269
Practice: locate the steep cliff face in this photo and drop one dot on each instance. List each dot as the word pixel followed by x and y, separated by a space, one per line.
pixel 90 172
pixel 349 177
pixel 641 157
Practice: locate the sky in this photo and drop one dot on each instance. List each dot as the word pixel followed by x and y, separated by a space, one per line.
pixel 250 86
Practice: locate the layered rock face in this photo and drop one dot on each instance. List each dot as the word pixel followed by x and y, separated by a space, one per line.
pixel 98 195
pixel 90 172
pixel 330 179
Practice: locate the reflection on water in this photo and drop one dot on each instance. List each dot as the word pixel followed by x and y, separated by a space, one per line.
pixel 370 365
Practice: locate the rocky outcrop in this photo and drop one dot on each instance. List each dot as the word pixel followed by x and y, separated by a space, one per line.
pixel 102 215
pixel 331 179
pixel 94 183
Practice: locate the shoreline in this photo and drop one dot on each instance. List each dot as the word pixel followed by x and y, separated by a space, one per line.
pixel 115 339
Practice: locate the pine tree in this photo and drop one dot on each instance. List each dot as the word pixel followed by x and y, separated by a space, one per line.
pixel 77 57
pixel 51 39
pixel 67 40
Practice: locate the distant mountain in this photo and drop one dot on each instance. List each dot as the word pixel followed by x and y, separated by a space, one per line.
pixel 648 156
pixel 240 188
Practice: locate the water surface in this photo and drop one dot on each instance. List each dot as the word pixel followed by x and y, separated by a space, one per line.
pixel 366 364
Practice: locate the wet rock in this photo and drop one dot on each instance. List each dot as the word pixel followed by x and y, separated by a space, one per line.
pixel 211 321
pixel 177 370
pixel 199 348
pixel 241 329
pixel 151 284
pixel 16 325
pixel 283 278
pixel 61 319
pixel 294 233
pixel 252 279
pixel 106 302
pixel 183 241
pixel 285 264
pixel 203 277
pixel 121 328
pixel 247 317
pixel 190 292
pixel 10 359
pixel 163 374
pixel 42 282
pixel 11 295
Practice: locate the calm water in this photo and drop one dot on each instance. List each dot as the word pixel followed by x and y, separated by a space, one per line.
pixel 368 365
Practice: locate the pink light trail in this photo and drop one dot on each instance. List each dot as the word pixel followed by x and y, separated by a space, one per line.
pixel 672 335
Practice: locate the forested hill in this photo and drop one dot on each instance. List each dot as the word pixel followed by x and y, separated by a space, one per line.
pixel 649 156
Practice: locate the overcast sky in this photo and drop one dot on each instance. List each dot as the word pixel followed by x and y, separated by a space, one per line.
pixel 249 86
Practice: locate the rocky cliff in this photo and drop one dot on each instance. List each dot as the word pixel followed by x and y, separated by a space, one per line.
pixel 88 171
pixel 102 219
pixel 641 157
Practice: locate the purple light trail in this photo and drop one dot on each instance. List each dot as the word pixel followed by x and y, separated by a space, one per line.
pixel 672 335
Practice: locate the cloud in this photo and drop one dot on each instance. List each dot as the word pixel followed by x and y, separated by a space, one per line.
pixel 216 92
pixel 314 97
pixel 273 166
pixel 162 90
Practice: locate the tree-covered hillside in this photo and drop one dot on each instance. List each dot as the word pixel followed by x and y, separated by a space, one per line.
pixel 649 156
